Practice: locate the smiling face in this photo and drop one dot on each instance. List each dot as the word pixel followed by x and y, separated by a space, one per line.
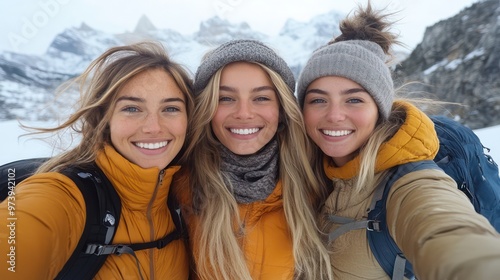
pixel 149 121
pixel 340 116
pixel 248 112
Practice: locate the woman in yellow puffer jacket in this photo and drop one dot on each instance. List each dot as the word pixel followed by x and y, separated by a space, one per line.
pixel 251 198
pixel 346 92
pixel 133 118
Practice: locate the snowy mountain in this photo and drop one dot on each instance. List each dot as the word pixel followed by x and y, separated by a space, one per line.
pixel 458 60
pixel 27 82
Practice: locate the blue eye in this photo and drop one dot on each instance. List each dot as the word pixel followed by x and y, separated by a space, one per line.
pixel 130 109
pixel 172 109
pixel 316 100
pixel 225 98
pixel 354 100
pixel 262 98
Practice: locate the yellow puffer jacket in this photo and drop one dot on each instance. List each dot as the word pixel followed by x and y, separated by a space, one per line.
pixel 267 242
pixel 433 223
pixel 50 213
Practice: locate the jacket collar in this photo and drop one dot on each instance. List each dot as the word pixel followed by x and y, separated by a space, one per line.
pixel 136 186
pixel 415 140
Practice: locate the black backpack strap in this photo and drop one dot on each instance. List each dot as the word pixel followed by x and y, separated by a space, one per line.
pixel 118 249
pixel 383 247
pixel 175 212
pixel 103 209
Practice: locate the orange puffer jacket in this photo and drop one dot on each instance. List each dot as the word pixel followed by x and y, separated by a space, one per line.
pixel 267 243
pixel 50 213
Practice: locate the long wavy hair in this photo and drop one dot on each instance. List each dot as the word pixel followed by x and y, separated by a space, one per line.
pixel 369 24
pixel 219 255
pixel 99 85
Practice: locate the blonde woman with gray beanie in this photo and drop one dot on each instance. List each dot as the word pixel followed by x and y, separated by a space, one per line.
pixel 346 93
pixel 249 195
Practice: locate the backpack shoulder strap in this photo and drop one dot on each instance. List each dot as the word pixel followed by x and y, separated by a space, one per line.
pixel 177 233
pixel 382 245
pixel 103 209
pixel 95 244
pixel 175 212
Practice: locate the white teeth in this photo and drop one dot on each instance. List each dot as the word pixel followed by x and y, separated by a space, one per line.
pixel 152 146
pixel 244 131
pixel 337 132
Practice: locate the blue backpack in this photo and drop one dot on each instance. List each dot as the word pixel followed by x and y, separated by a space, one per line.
pixel 462 156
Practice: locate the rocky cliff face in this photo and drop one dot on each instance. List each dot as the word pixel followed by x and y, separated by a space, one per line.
pixel 459 61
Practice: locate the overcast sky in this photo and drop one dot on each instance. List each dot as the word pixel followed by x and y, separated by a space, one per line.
pixel 29 26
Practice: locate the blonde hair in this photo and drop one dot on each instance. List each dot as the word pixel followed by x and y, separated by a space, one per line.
pixel 99 85
pixel 216 206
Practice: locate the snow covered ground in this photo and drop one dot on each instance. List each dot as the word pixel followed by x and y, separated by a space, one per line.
pixel 13 148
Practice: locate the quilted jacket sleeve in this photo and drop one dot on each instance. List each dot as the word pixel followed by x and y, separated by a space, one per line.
pixel 49 216
pixel 439 232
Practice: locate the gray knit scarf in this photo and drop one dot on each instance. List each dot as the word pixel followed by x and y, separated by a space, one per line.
pixel 253 177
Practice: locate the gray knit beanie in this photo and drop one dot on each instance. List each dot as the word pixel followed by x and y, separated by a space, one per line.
pixel 241 50
pixel 358 60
